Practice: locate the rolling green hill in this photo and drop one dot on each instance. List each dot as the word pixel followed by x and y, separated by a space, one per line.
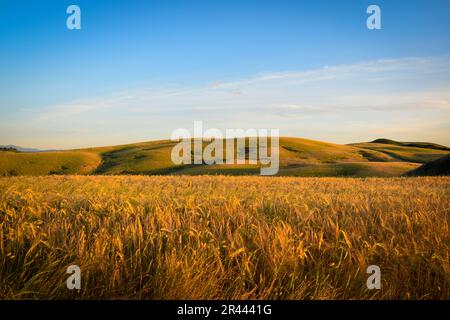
pixel 427 145
pixel 403 153
pixel 298 157
pixel 438 167
pixel 14 163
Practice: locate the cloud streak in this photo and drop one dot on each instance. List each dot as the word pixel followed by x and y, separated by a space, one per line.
pixel 352 98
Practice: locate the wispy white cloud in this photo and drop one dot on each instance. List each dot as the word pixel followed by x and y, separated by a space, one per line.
pixel 353 98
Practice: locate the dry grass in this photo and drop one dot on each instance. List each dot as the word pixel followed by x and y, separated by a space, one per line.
pixel 42 163
pixel 224 237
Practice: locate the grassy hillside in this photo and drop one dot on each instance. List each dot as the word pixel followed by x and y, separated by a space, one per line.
pixel 439 167
pixel 403 153
pixel 43 163
pixel 298 157
pixel 350 169
pixel 141 158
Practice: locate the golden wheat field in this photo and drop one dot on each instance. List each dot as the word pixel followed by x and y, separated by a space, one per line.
pixel 213 237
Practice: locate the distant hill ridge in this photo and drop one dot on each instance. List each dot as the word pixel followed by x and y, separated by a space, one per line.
pixel 298 157
pixel 8 149
pixel 426 145
pixel 11 147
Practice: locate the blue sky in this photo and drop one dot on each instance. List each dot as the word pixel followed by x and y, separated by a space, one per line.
pixel 137 70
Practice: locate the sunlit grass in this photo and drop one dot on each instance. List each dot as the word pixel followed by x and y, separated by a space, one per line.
pixel 224 237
